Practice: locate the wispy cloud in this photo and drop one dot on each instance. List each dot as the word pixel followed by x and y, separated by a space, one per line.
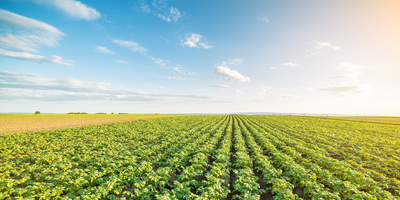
pixel 36 28
pixel 287 96
pixel 26 43
pixel 27 36
pixel 75 9
pixel 24 83
pixel 122 62
pixel 179 70
pixel 262 91
pixel 161 9
pixel 144 7
pixel 36 58
pixel 351 84
pixel 223 86
pixel 193 40
pixel 309 53
pixel 103 50
pixel 233 74
pixel 290 64
pixel 343 89
pixel 263 18
pixel 134 46
pixel 238 92
pixel 306 88
pixel 178 78
pixel 172 15
pixel 234 61
pixel 352 70
pixel 163 63
pixel 161 87
pixel 319 45
pixel 326 44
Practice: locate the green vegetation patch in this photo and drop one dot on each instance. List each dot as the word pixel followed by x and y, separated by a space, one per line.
pixel 205 157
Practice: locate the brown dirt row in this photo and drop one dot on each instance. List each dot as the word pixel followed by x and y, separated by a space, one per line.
pixel 18 123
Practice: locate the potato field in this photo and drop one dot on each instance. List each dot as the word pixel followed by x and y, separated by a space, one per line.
pixel 205 157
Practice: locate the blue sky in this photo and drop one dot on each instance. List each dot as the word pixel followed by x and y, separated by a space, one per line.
pixel 200 56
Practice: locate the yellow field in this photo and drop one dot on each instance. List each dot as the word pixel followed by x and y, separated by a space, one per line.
pixel 15 123
pixel 374 119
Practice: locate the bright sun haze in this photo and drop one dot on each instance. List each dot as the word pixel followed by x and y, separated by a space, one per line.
pixel 164 56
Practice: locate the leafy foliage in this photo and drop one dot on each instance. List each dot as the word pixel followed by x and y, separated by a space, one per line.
pixel 204 157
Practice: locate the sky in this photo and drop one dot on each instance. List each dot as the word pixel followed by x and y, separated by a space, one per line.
pixel 200 56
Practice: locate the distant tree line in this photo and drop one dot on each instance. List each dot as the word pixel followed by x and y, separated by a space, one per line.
pixel 77 113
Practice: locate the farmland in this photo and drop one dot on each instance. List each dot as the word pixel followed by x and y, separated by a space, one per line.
pixel 205 157
pixel 15 123
pixel 371 119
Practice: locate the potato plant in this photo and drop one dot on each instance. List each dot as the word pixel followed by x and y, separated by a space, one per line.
pixel 205 157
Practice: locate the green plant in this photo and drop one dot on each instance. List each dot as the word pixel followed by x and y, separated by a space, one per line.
pixel 37 112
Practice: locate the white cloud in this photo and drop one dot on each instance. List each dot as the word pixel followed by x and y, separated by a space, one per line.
pixel 306 88
pixel 179 70
pixel 122 62
pixel 175 14
pixel 232 62
pixel 233 74
pixel 344 89
pixel 26 43
pixel 273 68
pixel 352 71
pixel 73 8
pixel 235 61
pixel 160 61
pixel 262 91
pixel 229 80
pixel 15 21
pixel 309 54
pixel 223 86
pixel 193 39
pixel 37 58
pixel 263 18
pixel 164 18
pixel 287 96
pixel 347 88
pixel 103 50
pixel 134 46
pixel 144 7
pixel 178 79
pixel 238 92
pixel 325 44
pixel 31 33
pixel 205 46
pixel 290 64
pixel 14 85
pixel 172 15
pixel 161 9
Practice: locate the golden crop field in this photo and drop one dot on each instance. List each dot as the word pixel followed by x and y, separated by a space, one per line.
pixel 15 123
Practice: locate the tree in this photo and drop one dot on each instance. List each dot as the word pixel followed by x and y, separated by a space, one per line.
pixel 37 112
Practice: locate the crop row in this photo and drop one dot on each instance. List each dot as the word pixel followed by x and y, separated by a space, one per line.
pixel 203 157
